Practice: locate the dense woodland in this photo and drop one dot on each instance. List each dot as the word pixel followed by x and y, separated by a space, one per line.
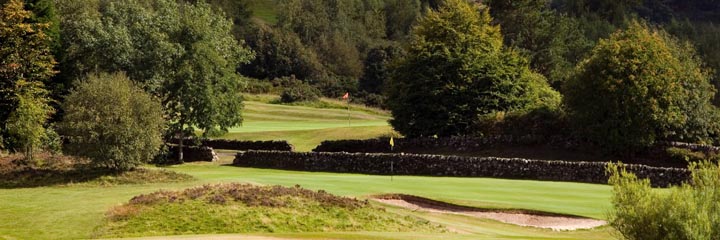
pixel 485 67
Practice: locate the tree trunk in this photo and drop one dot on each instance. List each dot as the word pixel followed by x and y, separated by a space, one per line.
pixel 180 148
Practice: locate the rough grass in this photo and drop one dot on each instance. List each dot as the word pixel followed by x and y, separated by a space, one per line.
pixel 55 169
pixel 243 208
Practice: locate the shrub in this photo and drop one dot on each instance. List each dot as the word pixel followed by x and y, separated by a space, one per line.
pixel 689 211
pixel 636 87
pixel 112 122
pixel 256 86
pixel 298 91
pixel 540 121
pixel 690 156
pixel 457 68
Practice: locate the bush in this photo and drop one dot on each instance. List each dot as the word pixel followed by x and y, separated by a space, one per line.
pixel 689 211
pixel 256 86
pixel 690 156
pixel 541 122
pixel 298 91
pixel 112 122
pixel 637 87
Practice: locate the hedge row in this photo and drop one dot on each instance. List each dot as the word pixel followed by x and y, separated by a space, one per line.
pixel 239 145
pixel 382 145
pixel 456 166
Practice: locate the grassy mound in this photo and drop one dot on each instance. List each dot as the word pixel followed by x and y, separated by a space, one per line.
pixel 56 169
pixel 243 208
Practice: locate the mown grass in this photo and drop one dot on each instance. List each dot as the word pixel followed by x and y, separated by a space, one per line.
pixel 306 126
pixel 72 212
pixel 242 208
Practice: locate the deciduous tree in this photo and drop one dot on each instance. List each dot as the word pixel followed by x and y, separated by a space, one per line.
pixel 457 69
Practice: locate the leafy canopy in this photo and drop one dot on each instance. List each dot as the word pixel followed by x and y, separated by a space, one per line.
pixel 183 53
pixel 457 69
pixel 639 86
pixel 25 63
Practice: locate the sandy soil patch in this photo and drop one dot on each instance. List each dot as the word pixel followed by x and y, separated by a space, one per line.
pixel 521 218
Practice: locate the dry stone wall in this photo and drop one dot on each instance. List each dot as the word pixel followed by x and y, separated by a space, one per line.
pixel 455 166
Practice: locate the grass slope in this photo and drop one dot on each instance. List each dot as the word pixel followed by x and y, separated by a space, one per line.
pixel 72 212
pixel 306 126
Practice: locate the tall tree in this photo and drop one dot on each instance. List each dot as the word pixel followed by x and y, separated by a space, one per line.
pixel 25 63
pixel 638 87
pixel 457 68
pixel 183 53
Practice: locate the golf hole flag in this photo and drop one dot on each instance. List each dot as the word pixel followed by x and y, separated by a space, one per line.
pixel 346 96
pixel 392 143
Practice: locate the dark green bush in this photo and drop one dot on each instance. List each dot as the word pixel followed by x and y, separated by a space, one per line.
pixel 112 122
pixel 541 121
pixel 256 86
pixel 690 156
pixel 297 91
pixel 639 86
pixel 689 211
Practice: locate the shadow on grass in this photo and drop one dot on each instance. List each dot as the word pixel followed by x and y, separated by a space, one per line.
pixel 55 170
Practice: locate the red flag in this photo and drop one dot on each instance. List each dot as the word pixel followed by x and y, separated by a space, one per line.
pixel 346 96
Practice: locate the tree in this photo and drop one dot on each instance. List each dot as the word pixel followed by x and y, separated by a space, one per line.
pixel 456 69
pixel 185 54
pixel 635 88
pixel 26 123
pixel 279 54
pixel 113 122
pixel 205 91
pixel 554 43
pixel 25 63
pixel 376 71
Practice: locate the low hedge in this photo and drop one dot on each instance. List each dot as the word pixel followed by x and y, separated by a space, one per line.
pixel 239 145
pixel 455 166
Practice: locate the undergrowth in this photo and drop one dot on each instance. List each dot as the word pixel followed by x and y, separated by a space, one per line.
pixel 243 208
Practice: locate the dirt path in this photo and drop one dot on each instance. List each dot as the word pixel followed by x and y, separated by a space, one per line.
pixel 529 219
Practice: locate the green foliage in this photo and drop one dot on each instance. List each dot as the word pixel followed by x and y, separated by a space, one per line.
pixel 183 53
pixel 686 155
pixel 538 122
pixel 111 121
pixel 298 91
pixel 456 69
pixel 689 211
pixel 26 123
pixel 279 53
pixel 237 208
pixel 638 87
pixel 377 66
pixel 26 64
pixel 553 42
pixel 204 91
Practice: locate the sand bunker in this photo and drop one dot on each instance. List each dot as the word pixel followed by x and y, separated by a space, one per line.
pixel 517 217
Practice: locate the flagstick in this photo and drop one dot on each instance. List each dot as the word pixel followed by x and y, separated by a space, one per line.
pixel 348 105
pixel 392 161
